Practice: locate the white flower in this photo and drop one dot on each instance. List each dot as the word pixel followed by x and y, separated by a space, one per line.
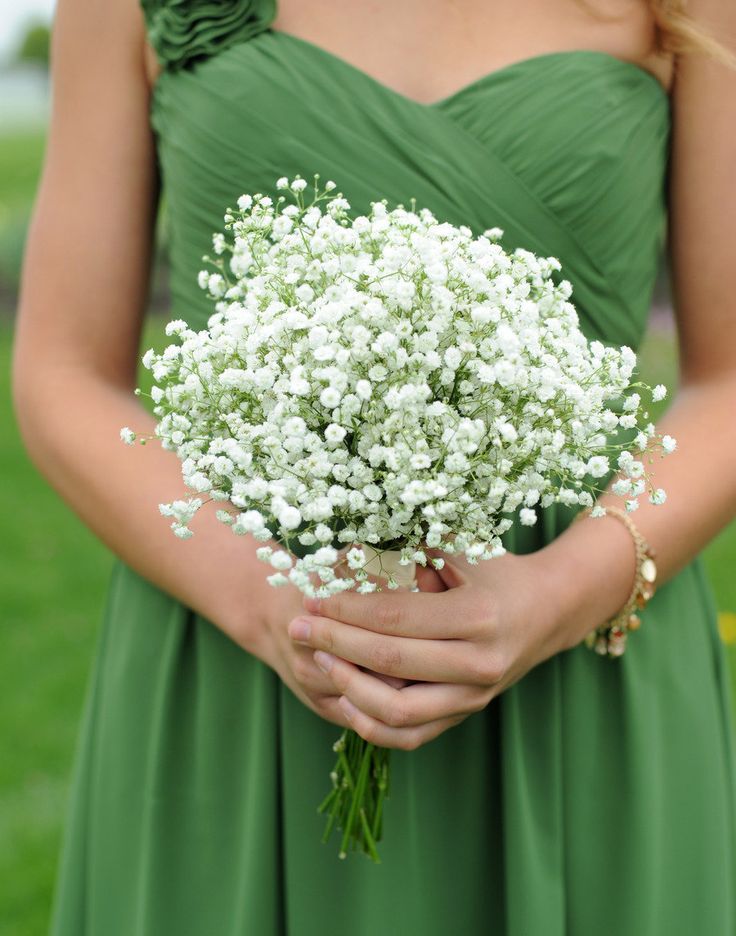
pixel 199 482
pixel 598 466
pixel 420 460
pixel 621 487
pixel 127 435
pixel 635 469
pixel 658 497
pixel 289 518
pixel 365 588
pixel 250 521
pixel 176 327
pixel 363 389
pixel 355 558
pixel 668 444
pixel 330 397
pixel 298 185
pixel 335 433
pixel 527 516
pixel 659 393
pixel 280 560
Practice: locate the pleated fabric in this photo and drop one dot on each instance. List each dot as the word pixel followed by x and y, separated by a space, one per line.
pixel 594 796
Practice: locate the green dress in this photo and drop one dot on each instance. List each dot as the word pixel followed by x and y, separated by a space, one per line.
pixel 595 795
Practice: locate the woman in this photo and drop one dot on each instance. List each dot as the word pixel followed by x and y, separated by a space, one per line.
pixel 573 794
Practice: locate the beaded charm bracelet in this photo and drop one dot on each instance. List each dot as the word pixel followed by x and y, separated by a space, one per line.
pixel 610 639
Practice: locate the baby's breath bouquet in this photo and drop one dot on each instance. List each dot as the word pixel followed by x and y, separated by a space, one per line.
pixel 370 388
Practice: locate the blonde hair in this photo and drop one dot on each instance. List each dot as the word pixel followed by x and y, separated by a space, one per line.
pixel 678 32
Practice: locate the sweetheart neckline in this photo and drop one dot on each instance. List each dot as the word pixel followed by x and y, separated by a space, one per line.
pixel 482 80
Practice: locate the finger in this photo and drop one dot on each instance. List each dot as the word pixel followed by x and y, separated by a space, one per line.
pixel 309 676
pixel 455 661
pixel 329 708
pixel 414 705
pixel 405 739
pixel 405 614
pixel 429 580
pixel 451 574
pixel 394 681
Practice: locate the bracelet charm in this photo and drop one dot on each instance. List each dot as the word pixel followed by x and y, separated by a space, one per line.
pixel 609 639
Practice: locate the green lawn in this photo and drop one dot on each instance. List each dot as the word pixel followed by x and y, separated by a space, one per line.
pixel 20 160
pixel 20 163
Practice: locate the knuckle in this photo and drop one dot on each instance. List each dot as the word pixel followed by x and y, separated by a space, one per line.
pixel 493 668
pixel 411 741
pixel 485 669
pixel 340 679
pixel 324 637
pixel 320 704
pixel 477 704
pixel 385 659
pixel 369 732
pixel 301 668
pixel 479 618
pixel 398 716
pixel 389 618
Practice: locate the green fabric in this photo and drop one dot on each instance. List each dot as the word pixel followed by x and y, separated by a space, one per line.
pixel 595 796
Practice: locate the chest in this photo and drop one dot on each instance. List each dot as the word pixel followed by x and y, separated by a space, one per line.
pixel 427 49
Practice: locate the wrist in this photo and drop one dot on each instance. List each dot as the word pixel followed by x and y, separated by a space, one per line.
pixel 587 573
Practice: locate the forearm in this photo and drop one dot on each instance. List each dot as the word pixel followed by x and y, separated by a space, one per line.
pixel 73 437
pixel 593 561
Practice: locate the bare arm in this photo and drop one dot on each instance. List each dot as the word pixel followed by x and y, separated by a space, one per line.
pixel 700 478
pixel 83 294
pixel 84 290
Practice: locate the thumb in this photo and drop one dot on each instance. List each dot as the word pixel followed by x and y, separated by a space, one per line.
pixel 428 579
pixel 451 573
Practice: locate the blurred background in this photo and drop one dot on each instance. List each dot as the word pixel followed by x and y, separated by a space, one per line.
pixel 53 573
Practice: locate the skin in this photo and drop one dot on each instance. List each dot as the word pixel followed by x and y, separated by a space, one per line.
pixel 399 668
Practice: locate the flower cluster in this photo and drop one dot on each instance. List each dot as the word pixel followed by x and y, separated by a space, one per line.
pixel 392 380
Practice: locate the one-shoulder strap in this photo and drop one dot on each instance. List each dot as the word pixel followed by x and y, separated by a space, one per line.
pixel 184 31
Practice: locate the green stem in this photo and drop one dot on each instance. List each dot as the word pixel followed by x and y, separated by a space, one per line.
pixel 357 797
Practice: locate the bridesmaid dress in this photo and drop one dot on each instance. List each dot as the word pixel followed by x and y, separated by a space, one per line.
pixel 594 796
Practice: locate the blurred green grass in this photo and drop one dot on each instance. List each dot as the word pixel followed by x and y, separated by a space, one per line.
pixel 20 162
pixel 52 584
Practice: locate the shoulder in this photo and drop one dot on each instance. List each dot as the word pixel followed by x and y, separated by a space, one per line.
pixel 184 31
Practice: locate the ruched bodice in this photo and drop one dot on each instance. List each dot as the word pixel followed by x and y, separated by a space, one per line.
pixel 593 796
pixel 566 152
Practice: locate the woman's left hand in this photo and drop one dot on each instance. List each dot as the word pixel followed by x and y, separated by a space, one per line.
pixel 461 647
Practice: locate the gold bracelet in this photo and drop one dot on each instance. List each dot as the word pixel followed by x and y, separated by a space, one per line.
pixel 610 639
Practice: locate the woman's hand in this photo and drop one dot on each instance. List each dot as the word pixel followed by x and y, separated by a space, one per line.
pixel 293 662
pixel 459 648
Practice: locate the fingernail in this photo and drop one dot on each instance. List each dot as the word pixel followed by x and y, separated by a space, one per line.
pixel 313 604
pixel 300 629
pixel 347 706
pixel 323 660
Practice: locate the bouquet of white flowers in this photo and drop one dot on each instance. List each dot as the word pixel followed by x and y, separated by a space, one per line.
pixel 372 390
